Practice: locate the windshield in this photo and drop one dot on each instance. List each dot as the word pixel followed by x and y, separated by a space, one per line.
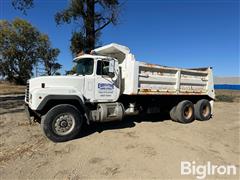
pixel 85 66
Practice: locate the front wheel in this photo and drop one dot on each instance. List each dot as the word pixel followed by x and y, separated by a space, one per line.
pixel 62 123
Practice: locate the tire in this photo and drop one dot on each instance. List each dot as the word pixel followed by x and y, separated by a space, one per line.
pixel 203 110
pixel 62 123
pixel 172 114
pixel 185 111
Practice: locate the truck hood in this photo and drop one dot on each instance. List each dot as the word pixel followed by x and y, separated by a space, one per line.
pixel 72 82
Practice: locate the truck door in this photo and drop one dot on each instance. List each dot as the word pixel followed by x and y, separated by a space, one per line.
pixel 85 68
pixel 107 86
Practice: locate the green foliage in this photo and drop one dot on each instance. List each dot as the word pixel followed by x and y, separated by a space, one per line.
pixel 22 5
pixel 92 16
pixel 21 47
pixel 18 49
pixel 78 42
pixel 225 98
pixel 57 74
pixel 72 71
pixel 48 55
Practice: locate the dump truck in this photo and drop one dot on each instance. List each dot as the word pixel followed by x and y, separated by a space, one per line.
pixel 109 84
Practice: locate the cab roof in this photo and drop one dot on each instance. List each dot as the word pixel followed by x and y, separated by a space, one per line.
pixel 88 56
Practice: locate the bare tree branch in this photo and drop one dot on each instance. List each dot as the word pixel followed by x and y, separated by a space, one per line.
pixel 103 26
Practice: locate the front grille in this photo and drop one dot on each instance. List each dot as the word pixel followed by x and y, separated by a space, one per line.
pixel 27 92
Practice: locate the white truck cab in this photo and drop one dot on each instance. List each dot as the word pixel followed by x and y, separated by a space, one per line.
pixel 110 84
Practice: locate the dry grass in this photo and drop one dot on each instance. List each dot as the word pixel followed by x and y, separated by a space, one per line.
pixel 8 88
pixel 228 95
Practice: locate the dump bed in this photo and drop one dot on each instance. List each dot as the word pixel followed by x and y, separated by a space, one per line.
pixel 156 79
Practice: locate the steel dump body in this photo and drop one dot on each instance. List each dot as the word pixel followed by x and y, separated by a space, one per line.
pixel 140 78
pixel 154 79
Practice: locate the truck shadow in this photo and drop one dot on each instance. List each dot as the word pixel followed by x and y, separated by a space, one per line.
pixel 127 122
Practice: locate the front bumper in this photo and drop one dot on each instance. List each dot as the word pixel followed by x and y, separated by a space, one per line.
pixel 28 112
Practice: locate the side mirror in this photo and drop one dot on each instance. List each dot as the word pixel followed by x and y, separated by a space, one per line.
pixel 111 66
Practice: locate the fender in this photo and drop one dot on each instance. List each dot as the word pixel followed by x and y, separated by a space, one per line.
pixel 64 97
pixel 60 97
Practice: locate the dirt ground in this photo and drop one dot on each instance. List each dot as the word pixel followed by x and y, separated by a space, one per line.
pixel 136 148
pixel 8 88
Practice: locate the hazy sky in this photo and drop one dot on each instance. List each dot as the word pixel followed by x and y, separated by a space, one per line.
pixel 187 33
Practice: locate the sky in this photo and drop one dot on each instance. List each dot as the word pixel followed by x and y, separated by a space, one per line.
pixel 179 33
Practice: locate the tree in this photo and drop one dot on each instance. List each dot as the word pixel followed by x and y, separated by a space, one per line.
pixel 21 47
pixel 93 16
pixel 22 5
pixel 48 56
pixel 78 41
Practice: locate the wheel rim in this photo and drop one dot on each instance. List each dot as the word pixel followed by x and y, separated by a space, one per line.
pixel 188 111
pixel 205 110
pixel 63 124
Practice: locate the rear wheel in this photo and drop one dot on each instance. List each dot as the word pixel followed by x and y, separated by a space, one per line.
pixel 203 110
pixel 62 123
pixel 173 114
pixel 185 111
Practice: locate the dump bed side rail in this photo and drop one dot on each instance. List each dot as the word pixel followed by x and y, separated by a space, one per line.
pixel 155 79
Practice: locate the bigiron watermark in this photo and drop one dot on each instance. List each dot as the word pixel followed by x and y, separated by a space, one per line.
pixel 201 171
